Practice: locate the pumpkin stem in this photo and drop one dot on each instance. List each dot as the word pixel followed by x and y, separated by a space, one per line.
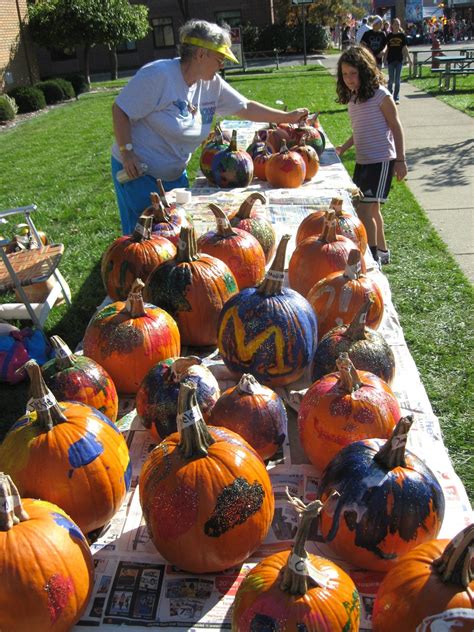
pixel 11 509
pixel 63 355
pixel 195 437
pixel 41 400
pixel 273 281
pixel 248 204
pixel 392 453
pixel 356 330
pixel 353 268
pixel 181 366
pixel 157 210
pixel 224 229
pixel 297 570
pixel 328 236
pixel 162 194
pixel 284 148
pixel 455 563
pixel 142 228
pixel 249 385
pixel 135 305
pixel 187 245
pixel 336 205
pixel 347 373
pixel 233 141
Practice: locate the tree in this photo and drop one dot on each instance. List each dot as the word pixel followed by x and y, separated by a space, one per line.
pixel 324 12
pixel 71 23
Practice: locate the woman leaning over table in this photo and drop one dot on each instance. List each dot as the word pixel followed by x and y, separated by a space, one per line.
pixel 396 52
pixel 164 113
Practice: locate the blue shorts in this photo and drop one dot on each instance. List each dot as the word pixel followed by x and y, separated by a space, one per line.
pixel 133 197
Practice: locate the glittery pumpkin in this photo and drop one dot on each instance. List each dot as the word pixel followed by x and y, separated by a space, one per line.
pixel 232 167
pixel 253 220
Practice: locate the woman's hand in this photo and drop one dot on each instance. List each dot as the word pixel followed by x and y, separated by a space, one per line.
pixel 297 116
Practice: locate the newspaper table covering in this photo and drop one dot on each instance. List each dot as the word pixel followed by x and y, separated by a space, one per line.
pixel 135 587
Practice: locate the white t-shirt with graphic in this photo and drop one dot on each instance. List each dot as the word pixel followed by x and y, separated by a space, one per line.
pixel 169 119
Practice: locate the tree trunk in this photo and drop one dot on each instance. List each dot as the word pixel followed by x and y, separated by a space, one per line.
pixel 113 63
pixel 87 73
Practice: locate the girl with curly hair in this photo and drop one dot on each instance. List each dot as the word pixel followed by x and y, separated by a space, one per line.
pixel 377 135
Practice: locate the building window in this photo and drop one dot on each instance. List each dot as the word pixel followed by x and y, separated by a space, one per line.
pixel 232 18
pixel 127 47
pixel 163 34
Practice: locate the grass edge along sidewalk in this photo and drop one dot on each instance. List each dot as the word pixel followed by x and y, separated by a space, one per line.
pixel 60 160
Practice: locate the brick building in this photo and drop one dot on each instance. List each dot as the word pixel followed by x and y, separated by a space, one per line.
pixel 18 64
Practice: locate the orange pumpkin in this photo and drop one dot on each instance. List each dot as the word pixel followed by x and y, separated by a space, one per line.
pixel 295 590
pixel 310 158
pixel 69 454
pixel 342 407
pixel 260 163
pixel 205 493
pixel 337 298
pixel 254 222
pixel 45 565
pixel 431 587
pixel 275 137
pixel 349 225
pixel 127 339
pixel 285 169
pixel 311 226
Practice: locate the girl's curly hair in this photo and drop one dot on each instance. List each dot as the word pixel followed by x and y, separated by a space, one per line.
pixel 370 76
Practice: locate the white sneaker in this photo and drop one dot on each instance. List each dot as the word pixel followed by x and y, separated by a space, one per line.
pixel 384 257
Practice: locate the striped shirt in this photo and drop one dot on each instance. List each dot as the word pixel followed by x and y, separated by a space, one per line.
pixel 373 138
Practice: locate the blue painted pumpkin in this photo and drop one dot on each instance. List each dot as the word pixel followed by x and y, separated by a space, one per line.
pixel 232 167
pixel 389 502
pixel 269 331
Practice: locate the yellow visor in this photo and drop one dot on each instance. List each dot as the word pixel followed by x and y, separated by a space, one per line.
pixel 218 48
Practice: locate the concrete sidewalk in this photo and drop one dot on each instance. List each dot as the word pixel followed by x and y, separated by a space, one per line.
pixel 439 144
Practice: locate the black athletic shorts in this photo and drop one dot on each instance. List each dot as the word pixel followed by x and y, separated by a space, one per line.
pixel 374 180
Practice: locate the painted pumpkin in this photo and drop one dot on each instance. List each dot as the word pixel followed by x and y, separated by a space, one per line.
pixel 317 257
pixel 342 407
pixel 133 256
pixel 269 331
pixel 367 349
pixel 167 220
pixel 260 163
pixel 127 339
pixel 45 565
pixel 337 298
pixel 157 397
pixel 314 137
pixel 255 412
pixel 311 226
pixel 349 225
pixel 193 289
pixel 253 220
pixel 69 454
pixel 232 167
pixel 389 501
pixel 81 379
pixel 205 493
pixel 256 146
pixel 213 145
pixel 429 588
pixel 310 157
pixel 285 169
pixel 235 247
pixel 274 137
pixel 295 590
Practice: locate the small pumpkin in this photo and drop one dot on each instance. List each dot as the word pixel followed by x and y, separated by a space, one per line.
pixel 269 331
pixel 285 169
pixel 167 220
pixel 45 565
pixel 431 585
pixel 389 501
pixel 349 225
pixel 128 338
pixel 193 288
pixel 157 397
pixel 205 494
pixel 314 137
pixel 256 146
pixel 255 412
pixel 215 143
pixel 260 163
pixel 274 137
pixel 311 226
pixel 79 378
pixel 296 590
pixel 237 248
pixel 310 158
pixel 69 454
pixel 254 222
pixel 343 407
pixel 232 167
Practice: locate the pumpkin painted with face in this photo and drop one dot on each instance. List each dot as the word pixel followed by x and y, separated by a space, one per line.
pixel 205 493
pixel 69 454
pixel 389 501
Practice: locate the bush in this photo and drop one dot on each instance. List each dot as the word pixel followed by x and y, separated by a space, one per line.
pixel 78 83
pixel 28 99
pixel 316 37
pixel 51 90
pixel 66 88
pixel 8 108
pixel 250 38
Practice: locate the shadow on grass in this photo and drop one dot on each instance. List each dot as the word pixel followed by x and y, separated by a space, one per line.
pixel 450 162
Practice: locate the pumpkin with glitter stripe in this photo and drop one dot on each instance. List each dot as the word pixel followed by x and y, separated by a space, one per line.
pixel 269 331
pixel 205 494
pixel 232 167
pixel 389 501
pixel 81 379
pixel 127 339
pixel 253 220
pixel 67 453
pixel 45 564
pixel 343 407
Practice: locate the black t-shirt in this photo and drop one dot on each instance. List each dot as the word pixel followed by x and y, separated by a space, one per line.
pixel 395 44
pixel 375 40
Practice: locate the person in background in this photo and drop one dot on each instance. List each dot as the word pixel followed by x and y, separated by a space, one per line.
pixel 396 53
pixel 346 37
pixel 386 27
pixel 375 40
pixel 361 30
pixel 377 135
pixel 166 110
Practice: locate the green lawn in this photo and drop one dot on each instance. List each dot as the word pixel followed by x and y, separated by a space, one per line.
pixel 60 161
pixel 462 99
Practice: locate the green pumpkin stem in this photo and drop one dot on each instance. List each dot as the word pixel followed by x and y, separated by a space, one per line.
pixel 11 509
pixel 224 229
pixel 187 245
pixel 64 357
pixel 347 373
pixel 247 205
pixel 135 305
pixel 455 563
pixel 328 236
pixel 49 412
pixel 195 438
pixel 233 141
pixel 273 281
pixel 356 329
pixel 392 453
pixel 353 269
pixel 142 228
pixel 181 366
pixel 162 194
pixel 292 582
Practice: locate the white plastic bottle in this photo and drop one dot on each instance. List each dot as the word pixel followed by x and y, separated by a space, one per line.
pixel 122 176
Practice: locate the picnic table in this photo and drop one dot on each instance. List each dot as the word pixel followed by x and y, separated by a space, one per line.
pixel 416 67
pixel 454 65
